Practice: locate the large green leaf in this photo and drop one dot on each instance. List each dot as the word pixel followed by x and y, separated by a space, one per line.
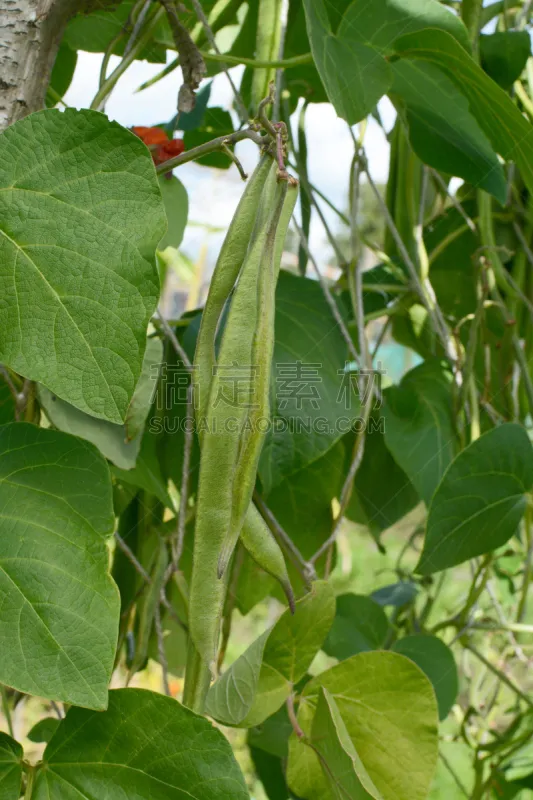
pixel 390 712
pixel 480 500
pixel 60 608
pixel 442 130
pixel 354 75
pixel 10 768
pixel 80 217
pixel 375 502
pixel 509 132
pixel 435 659
pixel 419 425
pixel 344 771
pixel 360 624
pixel 504 55
pixel 260 681
pixel 312 403
pixel 381 22
pixel 144 746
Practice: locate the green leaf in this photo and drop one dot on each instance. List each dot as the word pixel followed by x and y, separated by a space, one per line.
pixel 313 401
pixel 144 746
pixel 216 122
pixel 260 681
pixel 435 659
pixel 63 611
pixel 480 500
pixel 119 443
pixel 176 202
pixel 504 55
pixel 80 216
pixel 10 768
pixel 343 769
pixel 389 709
pixel 419 425
pixel 442 130
pixel 502 122
pixel 380 22
pixel 396 594
pixel 354 75
pixel 231 697
pixel 360 624
pixel 94 33
pixel 375 502
pixel 62 73
pixel 43 730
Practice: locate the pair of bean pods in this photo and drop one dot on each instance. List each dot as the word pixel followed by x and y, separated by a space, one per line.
pixel 233 433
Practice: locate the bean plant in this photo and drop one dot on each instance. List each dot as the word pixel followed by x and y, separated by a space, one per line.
pixel 250 471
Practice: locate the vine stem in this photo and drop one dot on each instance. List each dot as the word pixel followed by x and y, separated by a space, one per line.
pixel 30 780
pixel 328 295
pixel 109 84
pixel 424 289
pixel 220 143
pixel 501 675
pixel 161 649
pixel 243 114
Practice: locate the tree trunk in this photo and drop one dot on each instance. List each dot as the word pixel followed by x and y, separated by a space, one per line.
pixel 30 32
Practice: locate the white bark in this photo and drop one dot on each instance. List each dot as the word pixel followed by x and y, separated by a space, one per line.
pixel 30 32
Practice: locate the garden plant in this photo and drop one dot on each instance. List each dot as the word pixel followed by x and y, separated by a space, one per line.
pixel 168 483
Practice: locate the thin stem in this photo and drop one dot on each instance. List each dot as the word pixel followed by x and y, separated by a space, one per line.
pixel 109 84
pixel 132 558
pixel 305 570
pixel 30 780
pixel 138 26
pixel 526 581
pixel 347 489
pixel 209 147
pixel 175 342
pixel 7 712
pixel 454 201
pixel 328 295
pixel 161 649
pixel 292 717
pixel 454 775
pixel 424 290
pixel 501 675
pixel 241 108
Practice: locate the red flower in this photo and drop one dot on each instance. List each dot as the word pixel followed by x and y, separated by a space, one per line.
pixel 157 140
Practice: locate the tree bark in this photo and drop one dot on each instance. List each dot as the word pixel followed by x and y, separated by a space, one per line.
pixel 30 33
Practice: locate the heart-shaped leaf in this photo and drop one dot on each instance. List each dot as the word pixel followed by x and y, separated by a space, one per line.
pixel 80 218
pixel 60 607
pixel 10 768
pixel 480 500
pixel 144 746
pixel 389 709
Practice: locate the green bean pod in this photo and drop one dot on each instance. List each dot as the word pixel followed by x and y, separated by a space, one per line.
pixel 228 266
pixel 220 446
pixel 253 434
pixel 259 543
